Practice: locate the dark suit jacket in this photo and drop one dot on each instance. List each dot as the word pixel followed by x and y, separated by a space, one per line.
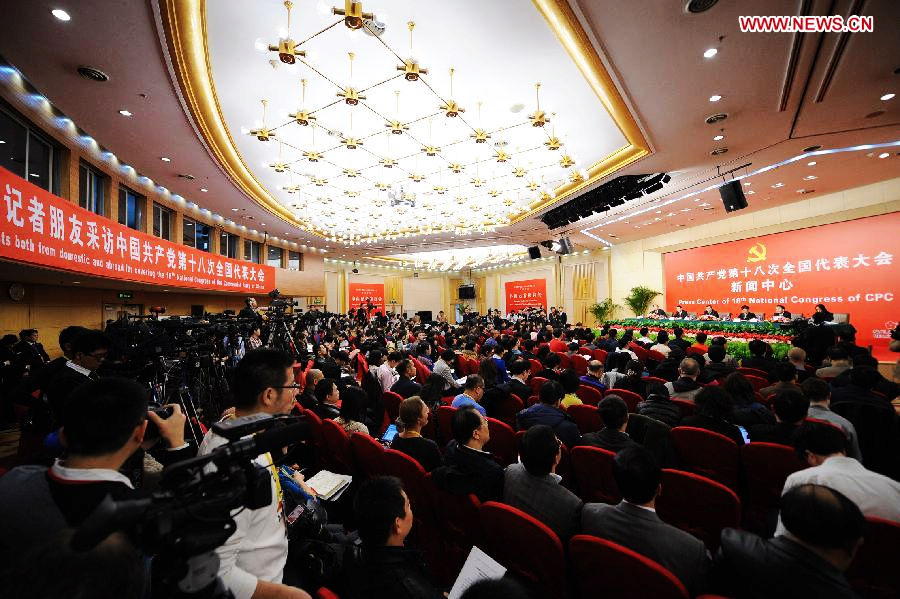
pixel 406 388
pixel 544 498
pixel 609 439
pixel 467 470
pixel 516 386
pixel 642 531
pixel 540 413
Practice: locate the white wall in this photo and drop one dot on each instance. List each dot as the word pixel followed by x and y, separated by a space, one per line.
pixel 423 294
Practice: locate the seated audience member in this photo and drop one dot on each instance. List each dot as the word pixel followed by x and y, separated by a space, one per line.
pixel 471 395
pixel 406 385
pixel 700 343
pixel 387 567
pixel 786 380
pixel 632 379
pixel 557 343
pixel 594 376
pixel 432 392
pixel 714 409
pixel 715 365
pixel 386 373
pixel 353 411
pixel 686 386
pixel 308 399
pixel 551 368
pixel 502 374
pixel 668 368
pixel 662 343
pixel 548 411
pixel 797 357
pixel 722 342
pixel 422 351
pixel 790 408
pixel 838 362
pixel 467 467
pixel 570 383
pixel 644 339
pixel 862 382
pixel 444 368
pixel 758 358
pixel 413 417
pixel 678 342
pixel 824 448
pixel 748 411
pixel 822 532
pixel 520 371
pixel 634 523
pixel 251 562
pixel 818 393
pixel 616 364
pixel 659 406
pixel 614 414
pixel 38 503
pixel 533 486
pixel 327 398
pixel 88 353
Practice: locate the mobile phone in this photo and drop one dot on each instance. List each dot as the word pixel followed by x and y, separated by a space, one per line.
pixel 744 434
pixel 389 434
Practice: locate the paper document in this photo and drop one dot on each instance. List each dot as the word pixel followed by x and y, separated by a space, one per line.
pixel 479 566
pixel 328 484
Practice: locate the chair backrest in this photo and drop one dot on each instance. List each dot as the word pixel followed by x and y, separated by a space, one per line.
pixel 694 351
pixel 362 366
pixel 616 572
pixel 536 382
pixel 585 351
pixel 564 360
pixel 315 425
pixel 526 547
pixel 758 382
pixel 422 372
pixel 655 379
pixel 396 463
pixel 586 417
pixel 685 406
pixel 337 445
pixel 503 442
pixel 592 467
pixel 766 466
pixel 841 317
pixel 631 398
pixel 506 410
pixel 874 572
pixel 391 403
pixel 444 421
pixel 599 354
pixel 707 453
pixel 589 395
pixel 326 593
pixel 366 454
pixel 698 505
pixel 878 431
pixel 658 356
pixel 745 370
pixel 535 365
pixel 579 364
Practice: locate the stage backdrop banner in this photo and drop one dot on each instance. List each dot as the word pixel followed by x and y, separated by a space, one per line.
pixel 361 293
pixel 526 294
pixel 40 228
pixel 851 267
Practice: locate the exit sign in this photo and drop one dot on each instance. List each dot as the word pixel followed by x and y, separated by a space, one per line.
pixel 125 295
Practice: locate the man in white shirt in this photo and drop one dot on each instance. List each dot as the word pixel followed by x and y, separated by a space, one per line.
pixel 387 376
pixel 644 338
pixel 252 559
pixel 824 448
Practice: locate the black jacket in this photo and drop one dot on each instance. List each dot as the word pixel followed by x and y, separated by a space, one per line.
pixel 467 470
pixel 392 573
pixel 609 439
pixel 425 451
pixel 327 411
pixel 520 389
pixel 541 413
pixel 715 425
pixel 406 388
pixel 660 409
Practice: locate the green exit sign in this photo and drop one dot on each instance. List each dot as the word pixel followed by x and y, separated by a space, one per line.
pixel 125 295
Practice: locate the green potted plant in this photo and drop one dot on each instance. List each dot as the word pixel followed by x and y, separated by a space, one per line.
pixel 603 311
pixel 639 299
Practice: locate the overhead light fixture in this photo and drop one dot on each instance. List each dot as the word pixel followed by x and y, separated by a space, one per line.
pixel 2 142
pixel 887 97
pixel 747 183
pixel 124 112
pixel 883 155
pixel 715 98
pixel 813 163
pixel 718 138
pixel 164 158
pixel 60 14
pixel 809 177
pixel 710 53
pixel 235 209
pixel 777 185
pixel 203 189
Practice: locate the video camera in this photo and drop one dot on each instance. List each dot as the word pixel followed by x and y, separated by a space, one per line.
pixel 191 514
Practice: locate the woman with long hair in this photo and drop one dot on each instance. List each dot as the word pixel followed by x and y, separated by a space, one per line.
pixel 433 390
pixel 747 408
pixel 413 417
pixel 353 405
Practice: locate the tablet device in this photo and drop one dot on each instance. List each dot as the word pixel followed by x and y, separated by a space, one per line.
pixel 389 434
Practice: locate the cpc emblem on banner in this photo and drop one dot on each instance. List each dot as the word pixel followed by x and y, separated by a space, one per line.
pixel 757 253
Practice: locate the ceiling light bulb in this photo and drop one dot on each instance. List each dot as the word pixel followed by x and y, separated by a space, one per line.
pixel 166 159
pixel 718 137
pixel 203 189
pixel 710 53
pixel 60 14
pixel 883 155
pixel 124 112
pixel 234 209
pixel 747 183
pixel 813 163
pixel 887 97
pixel 715 98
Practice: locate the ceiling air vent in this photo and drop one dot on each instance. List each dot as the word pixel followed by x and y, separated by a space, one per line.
pixel 697 6
pixel 93 74
pixel 716 118
pixel 186 176
pixel 812 148
pixel 718 151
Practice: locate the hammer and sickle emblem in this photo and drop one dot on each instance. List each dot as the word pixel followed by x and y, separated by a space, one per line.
pixel 757 253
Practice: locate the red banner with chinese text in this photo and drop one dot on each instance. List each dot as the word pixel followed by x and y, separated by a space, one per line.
pixel 526 294
pixel 39 228
pixel 850 267
pixel 362 293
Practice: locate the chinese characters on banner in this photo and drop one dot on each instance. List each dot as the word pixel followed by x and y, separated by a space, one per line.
pixel 851 267
pixel 37 227
pixel 361 294
pixel 526 294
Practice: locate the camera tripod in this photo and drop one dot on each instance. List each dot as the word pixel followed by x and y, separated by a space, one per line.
pixel 280 337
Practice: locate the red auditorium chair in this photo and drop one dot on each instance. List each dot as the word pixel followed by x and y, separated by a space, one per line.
pixel 698 505
pixel 707 453
pixel 766 466
pixel 685 406
pixel 460 527
pixel 584 351
pixel 589 395
pixel 418 489
pixel 326 593
pixel 526 547
pixel 315 426
pixel 362 366
pixel 579 364
pixel 599 354
pixel 536 366
pixel 694 351
pixel 874 573
pixel 507 410
pixel 337 448
pixel 444 420
pixel 586 417
pixel 503 442
pixel 655 379
pixel 758 382
pixel 532 399
pixel 422 372
pixel 631 398
pixel 564 360
pixel 391 403
pixel 656 355
pixel 605 569
pixel 536 382
pixel 366 454
pixel 592 468
pixel 753 372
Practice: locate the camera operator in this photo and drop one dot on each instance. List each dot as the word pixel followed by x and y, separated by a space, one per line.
pixel 104 423
pixel 251 310
pixel 252 560
pixel 89 350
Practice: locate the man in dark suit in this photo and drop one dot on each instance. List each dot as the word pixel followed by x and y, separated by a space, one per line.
pixel 679 312
pixel 31 353
pixel 709 312
pixel 614 414
pixel 746 314
pixel 519 370
pixel 547 411
pixel 791 407
pixel 467 467
pixel 534 487
pixel 88 353
pixel 634 523
pixel 327 396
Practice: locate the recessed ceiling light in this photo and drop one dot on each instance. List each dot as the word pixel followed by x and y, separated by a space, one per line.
pixel 887 97
pixel 809 177
pixel 747 183
pixel 203 189
pixel 813 163
pixel 60 14
pixel 710 53
pixel 751 192
pixel 715 98
pixel 777 185
pixel 124 112
pixel 235 209
pixel 166 159
pixel 718 137
pixel 883 155
pixel 2 142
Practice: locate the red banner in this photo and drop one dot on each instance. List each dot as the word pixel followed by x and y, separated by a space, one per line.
pixel 40 228
pixel 526 294
pixel 363 293
pixel 850 267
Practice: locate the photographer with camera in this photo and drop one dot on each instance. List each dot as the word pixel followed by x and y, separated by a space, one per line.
pixel 104 423
pixel 252 560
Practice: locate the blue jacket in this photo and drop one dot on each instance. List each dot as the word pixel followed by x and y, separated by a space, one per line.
pixel 540 413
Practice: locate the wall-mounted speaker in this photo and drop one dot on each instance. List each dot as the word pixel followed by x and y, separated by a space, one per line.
pixel 534 252
pixel 733 196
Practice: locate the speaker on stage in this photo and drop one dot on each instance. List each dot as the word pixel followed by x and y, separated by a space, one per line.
pixel 733 196
pixel 425 315
pixel 534 252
